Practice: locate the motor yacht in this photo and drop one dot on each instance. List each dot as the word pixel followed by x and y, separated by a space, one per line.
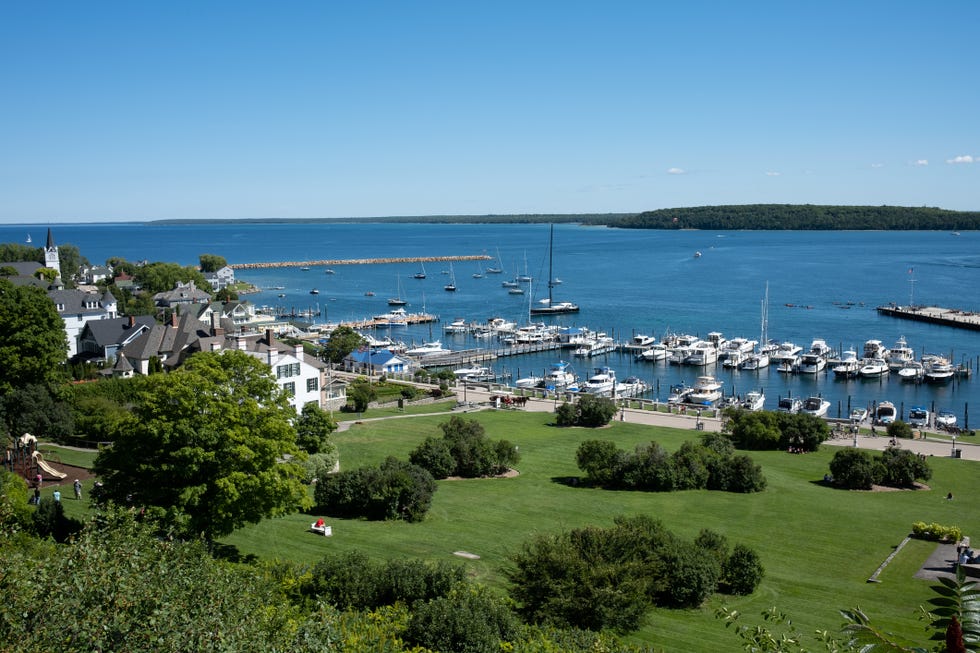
pixel 885 413
pixel 939 370
pixel 816 406
pixel 602 382
pixel 707 390
pixel 428 349
pixel 873 367
pixel 945 419
pixel 849 366
pixel 918 416
pixel 789 405
pixel 900 355
pixel 560 376
pixel 754 400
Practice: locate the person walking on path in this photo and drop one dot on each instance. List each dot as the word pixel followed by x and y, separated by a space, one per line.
pixel 78 489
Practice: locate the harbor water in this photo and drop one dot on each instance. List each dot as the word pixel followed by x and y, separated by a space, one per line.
pixel 821 285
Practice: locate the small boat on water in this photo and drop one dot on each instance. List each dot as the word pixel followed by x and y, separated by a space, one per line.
pixel 529 382
pixel 945 419
pixel 561 377
pixel 707 390
pixel 754 400
pixel 304 269
pixel 456 326
pixel 849 365
pixel 428 349
pixel 369 293
pixel 475 373
pixel 515 291
pixel 421 273
pixel 912 371
pixel 873 367
pixel 451 286
pixel 654 353
pixel 859 414
pixel 918 416
pixel 329 271
pixel 602 382
pixel 633 386
pixel 789 365
pixel 816 406
pixel 679 393
pixel 885 413
pixel 789 405
pixel 938 370
pixel 314 291
pixel 548 306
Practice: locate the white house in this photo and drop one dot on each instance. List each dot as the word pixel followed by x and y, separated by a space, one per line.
pixel 301 376
pixel 78 308
pixel 221 278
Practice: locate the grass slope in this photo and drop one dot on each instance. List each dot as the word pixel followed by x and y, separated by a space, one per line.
pixel 818 545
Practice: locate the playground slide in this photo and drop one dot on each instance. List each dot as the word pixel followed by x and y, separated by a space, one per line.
pixel 46 468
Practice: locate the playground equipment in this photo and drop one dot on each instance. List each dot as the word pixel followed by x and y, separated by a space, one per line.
pixel 24 459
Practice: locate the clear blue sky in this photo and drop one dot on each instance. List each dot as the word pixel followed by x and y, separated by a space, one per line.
pixel 140 110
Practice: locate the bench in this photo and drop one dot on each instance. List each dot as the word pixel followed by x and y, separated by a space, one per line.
pixel 326 531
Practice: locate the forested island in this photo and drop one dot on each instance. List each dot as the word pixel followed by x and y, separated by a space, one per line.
pixel 744 216
pixel 804 217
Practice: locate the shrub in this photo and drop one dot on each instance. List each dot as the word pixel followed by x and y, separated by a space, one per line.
pixel 469 620
pixel 600 460
pixel 743 571
pixel 899 429
pixel 936 532
pixel 434 454
pixel 855 469
pixel 464 450
pixel 395 490
pixel 318 465
pixel 351 581
pixel 49 519
pixel 594 411
pixel 903 468
pixel 566 415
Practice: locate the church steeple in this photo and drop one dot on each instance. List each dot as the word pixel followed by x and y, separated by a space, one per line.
pixel 51 254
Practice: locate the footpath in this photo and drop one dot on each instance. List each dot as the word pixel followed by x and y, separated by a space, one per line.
pixel 478 399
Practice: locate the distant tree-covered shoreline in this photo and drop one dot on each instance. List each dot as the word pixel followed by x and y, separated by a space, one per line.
pixel 765 217
pixel 802 217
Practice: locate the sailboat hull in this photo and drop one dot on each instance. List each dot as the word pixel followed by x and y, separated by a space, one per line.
pixel 558 309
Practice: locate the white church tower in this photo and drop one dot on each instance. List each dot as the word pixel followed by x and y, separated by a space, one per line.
pixel 51 254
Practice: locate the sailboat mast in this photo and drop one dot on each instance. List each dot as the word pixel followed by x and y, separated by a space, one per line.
pixel 551 254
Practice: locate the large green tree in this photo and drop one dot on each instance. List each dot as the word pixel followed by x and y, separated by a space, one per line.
pixel 212 262
pixel 206 447
pixel 313 428
pixel 342 341
pixel 159 277
pixel 33 346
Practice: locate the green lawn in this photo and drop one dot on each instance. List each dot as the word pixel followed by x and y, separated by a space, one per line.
pixel 818 545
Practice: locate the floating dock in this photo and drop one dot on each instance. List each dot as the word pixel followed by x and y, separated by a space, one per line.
pixel 934 315
pixel 330 262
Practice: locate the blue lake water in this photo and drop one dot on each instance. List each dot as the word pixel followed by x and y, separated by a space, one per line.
pixel 626 281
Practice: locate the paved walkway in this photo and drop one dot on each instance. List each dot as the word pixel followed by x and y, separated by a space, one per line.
pixel 478 399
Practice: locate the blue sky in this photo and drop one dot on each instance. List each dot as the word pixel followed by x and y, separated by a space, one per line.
pixel 140 111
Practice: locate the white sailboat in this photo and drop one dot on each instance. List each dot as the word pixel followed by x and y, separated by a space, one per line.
pixel 451 286
pixel 421 273
pixel 397 300
pixel 760 359
pixel 548 306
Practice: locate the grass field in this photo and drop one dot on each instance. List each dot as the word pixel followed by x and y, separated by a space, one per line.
pixel 818 545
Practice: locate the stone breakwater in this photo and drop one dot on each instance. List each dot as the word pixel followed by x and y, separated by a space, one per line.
pixel 357 261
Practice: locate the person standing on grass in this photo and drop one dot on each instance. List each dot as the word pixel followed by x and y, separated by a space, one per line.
pixel 78 489
pixel 57 496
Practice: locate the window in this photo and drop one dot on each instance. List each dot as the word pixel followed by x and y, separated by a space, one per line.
pixel 286 371
pixel 289 388
pixel 312 385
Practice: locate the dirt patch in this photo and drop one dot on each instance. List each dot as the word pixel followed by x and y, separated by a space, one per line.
pixel 510 473
pixel 888 488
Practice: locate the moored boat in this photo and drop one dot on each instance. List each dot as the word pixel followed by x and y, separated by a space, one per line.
pixel 789 405
pixel 849 366
pixel 873 367
pixel 602 382
pixel 885 413
pixel 816 406
pixel 754 400
pixel 707 390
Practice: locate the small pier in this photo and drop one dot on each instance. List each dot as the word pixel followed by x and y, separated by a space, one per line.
pixel 384 323
pixel 934 315
pixel 330 262
pixel 469 356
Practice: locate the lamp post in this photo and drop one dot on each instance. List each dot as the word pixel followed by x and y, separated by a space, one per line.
pixel 953 454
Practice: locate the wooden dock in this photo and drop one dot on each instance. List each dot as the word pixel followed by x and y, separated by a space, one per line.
pixel 470 356
pixel 329 262
pixel 934 315
pixel 384 323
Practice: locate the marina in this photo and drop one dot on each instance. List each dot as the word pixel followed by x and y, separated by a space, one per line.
pixel 607 273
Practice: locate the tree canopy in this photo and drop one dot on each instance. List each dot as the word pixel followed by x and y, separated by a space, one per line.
pixel 804 217
pixel 342 341
pixel 205 447
pixel 212 262
pixel 33 346
pixel 160 277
